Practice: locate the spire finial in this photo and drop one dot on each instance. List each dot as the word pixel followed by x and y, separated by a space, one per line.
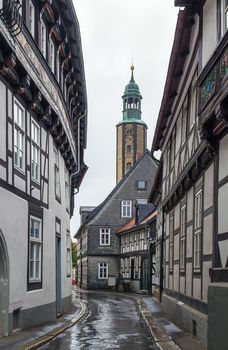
pixel 132 70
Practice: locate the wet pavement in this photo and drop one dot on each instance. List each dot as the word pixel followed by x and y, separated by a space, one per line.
pixel 111 322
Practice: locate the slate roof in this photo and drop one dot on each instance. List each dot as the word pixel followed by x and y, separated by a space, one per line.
pixel 145 210
pixel 100 206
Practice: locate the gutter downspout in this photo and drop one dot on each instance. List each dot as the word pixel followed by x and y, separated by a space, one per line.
pixel 161 259
pixel 78 158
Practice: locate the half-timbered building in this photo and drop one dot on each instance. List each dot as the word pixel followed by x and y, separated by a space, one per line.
pixel 98 241
pixel 137 253
pixel 190 186
pixel 42 139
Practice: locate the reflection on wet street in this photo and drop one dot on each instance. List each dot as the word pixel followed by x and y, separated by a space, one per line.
pixel 112 322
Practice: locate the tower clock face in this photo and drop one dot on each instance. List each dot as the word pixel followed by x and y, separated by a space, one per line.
pixel 129 132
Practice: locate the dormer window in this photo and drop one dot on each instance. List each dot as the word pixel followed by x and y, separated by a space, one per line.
pixel 126 209
pixel 31 17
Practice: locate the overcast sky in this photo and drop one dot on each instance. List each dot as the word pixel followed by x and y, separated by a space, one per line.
pixel 113 32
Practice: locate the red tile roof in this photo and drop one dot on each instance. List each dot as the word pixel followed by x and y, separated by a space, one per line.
pixel 131 224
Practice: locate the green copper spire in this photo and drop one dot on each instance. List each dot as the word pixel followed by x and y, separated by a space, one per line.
pixel 132 101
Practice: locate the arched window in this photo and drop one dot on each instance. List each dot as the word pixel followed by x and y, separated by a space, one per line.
pixel 128 149
pixel 129 132
pixel 128 165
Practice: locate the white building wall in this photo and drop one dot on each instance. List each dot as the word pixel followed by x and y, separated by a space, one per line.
pixel 209 30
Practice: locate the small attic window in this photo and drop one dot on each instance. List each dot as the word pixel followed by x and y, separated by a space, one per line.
pixel 141 185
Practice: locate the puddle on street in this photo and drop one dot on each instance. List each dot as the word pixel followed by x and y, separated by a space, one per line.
pixel 111 323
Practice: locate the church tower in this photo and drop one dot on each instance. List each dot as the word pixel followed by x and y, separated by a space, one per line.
pixel 131 131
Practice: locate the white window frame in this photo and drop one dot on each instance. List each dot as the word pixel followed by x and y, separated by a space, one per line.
pixel 19 136
pixel 35 151
pixel 184 120
pixel 103 270
pixel 198 228
pixel 67 189
pixel 126 208
pixel 52 56
pixel 43 38
pixel 57 67
pixel 193 102
pixel 31 17
pixel 68 254
pixel 37 243
pixel 57 173
pixel 105 234
pixel 183 217
pixel 224 16
pixel 20 9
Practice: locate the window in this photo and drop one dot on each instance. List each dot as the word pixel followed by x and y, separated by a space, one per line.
pixel 43 38
pixel 193 96
pixel 184 120
pixel 31 17
pixel 168 156
pixel 171 242
pixel 35 151
pixel 128 165
pixel 128 149
pixel 224 16
pixel 62 81
pixel 68 256
pixel 182 236
pixel 130 113
pixel 105 236
pixel 67 190
pixel 197 229
pixel 19 6
pixel 52 56
pixel 129 132
pixel 172 146
pixel 57 174
pixel 57 68
pixel 19 136
pixel 141 240
pixel 35 244
pixel 141 185
pixel 126 209
pixel 102 270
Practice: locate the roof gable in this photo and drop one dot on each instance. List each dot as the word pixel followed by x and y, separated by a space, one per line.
pixel 97 211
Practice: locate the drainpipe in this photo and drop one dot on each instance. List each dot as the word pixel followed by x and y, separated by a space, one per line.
pixel 78 158
pixel 136 213
pixel 162 258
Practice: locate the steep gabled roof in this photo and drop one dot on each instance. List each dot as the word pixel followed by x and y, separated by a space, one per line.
pixel 97 210
pixel 178 55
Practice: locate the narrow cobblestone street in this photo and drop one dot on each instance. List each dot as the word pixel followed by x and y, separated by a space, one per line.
pixel 112 322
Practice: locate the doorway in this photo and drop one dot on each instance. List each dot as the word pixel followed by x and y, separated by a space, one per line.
pixel 4 287
pixel 144 274
pixel 132 268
